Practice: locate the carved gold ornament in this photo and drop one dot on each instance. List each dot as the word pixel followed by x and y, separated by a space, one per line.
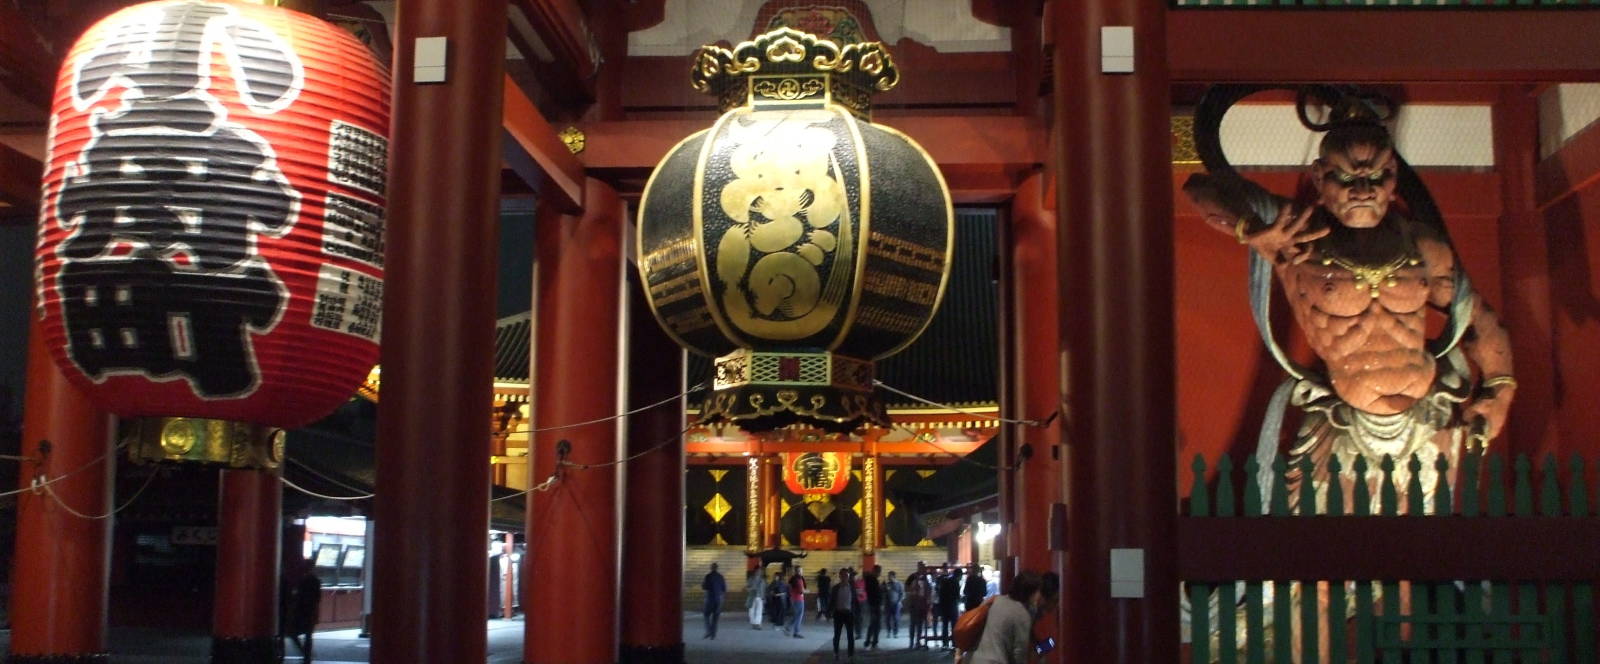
pixel 573 138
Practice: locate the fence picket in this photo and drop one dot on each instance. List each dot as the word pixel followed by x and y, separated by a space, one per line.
pixel 1500 616
pixel 1361 493
pixel 1549 491
pixel 1448 631
pixel 1475 632
pixel 1391 607
pixel 1577 493
pixel 1497 486
pixel 1309 599
pixel 1282 622
pixel 1365 620
pixel 1388 502
pixel 1254 623
pixel 1334 504
pixel 1199 504
pixel 1280 486
pixel 1421 631
pixel 1555 608
pixel 1252 487
pixel 1224 502
pixel 1416 500
pixel 1200 620
pixel 1337 618
pixel 1528 609
pixel 1308 489
pixel 1443 502
pixel 1228 622
pixel 1523 490
pixel 1583 623
pixel 1468 486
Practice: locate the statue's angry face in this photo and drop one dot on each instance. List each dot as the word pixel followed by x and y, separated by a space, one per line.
pixel 1356 183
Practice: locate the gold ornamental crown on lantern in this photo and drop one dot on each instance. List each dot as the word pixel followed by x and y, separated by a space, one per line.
pixel 787 65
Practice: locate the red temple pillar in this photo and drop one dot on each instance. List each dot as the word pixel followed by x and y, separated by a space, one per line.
pixel 244 619
pixel 652 539
pixel 1532 427
pixel 1035 384
pixel 430 568
pixel 771 475
pixel 572 537
pixel 58 582
pixel 1112 116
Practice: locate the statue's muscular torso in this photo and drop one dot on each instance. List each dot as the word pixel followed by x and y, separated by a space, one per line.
pixel 1362 301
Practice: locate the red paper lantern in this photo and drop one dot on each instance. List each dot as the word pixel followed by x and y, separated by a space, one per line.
pixel 211 241
pixel 816 472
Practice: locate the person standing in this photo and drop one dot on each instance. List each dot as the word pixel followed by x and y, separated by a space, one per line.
pixel 860 585
pixel 874 606
pixel 754 586
pixel 975 590
pixel 1008 629
pixel 949 593
pixel 842 601
pixel 824 584
pixel 919 595
pixel 893 594
pixel 716 587
pixel 777 599
pixel 797 599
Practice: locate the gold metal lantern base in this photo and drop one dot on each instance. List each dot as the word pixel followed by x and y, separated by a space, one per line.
pixel 191 440
pixel 765 390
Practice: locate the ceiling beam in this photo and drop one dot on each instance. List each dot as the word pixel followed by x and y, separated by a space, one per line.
pixel 1365 45
pixel 20 175
pixel 27 67
pixel 563 174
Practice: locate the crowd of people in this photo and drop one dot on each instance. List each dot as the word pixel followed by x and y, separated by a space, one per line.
pixel 869 604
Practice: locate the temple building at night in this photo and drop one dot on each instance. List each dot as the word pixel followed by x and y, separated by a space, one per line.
pixel 702 331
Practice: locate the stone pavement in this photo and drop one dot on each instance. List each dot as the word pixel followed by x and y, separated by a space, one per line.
pixel 736 643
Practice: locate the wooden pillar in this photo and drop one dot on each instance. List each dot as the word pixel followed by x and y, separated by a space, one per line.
pixel 58 582
pixel 244 618
pixel 571 562
pixel 771 508
pixel 429 566
pixel 872 510
pixel 652 544
pixel 1115 203
pixel 1532 427
pixel 1034 380
pixel 752 516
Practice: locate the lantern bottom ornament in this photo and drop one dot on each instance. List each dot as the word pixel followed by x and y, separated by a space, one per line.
pixel 765 390
pixel 190 440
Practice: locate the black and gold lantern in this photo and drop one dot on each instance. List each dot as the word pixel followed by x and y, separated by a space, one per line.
pixel 795 241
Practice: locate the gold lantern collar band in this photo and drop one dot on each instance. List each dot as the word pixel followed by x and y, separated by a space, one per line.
pixel 786 67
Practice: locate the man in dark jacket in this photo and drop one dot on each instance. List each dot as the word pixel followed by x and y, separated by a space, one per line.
pixel 949 603
pixel 716 588
pixel 976 589
pixel 874 606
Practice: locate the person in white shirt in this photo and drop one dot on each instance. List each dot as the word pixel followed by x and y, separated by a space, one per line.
pixel 1008 630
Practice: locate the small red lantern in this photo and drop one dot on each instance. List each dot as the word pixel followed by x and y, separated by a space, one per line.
pixel 816 472
pixel 211 241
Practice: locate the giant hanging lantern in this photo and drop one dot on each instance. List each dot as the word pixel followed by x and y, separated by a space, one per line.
pixel 211 241
pixel 794 240
pixel 808 473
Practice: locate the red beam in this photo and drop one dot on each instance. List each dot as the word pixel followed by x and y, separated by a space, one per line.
pixel 27 68
pixel 19 178
pixel 1400 45
pixel 560 26
pixel 536 137
pixel 1388 548
pixel 982 157
pixel 732 448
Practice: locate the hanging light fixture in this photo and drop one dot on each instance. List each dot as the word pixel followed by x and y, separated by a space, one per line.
pixel 795 241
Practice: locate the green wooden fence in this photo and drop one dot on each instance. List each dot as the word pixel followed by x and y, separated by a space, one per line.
pixel 1313 620
pixel 1381 4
